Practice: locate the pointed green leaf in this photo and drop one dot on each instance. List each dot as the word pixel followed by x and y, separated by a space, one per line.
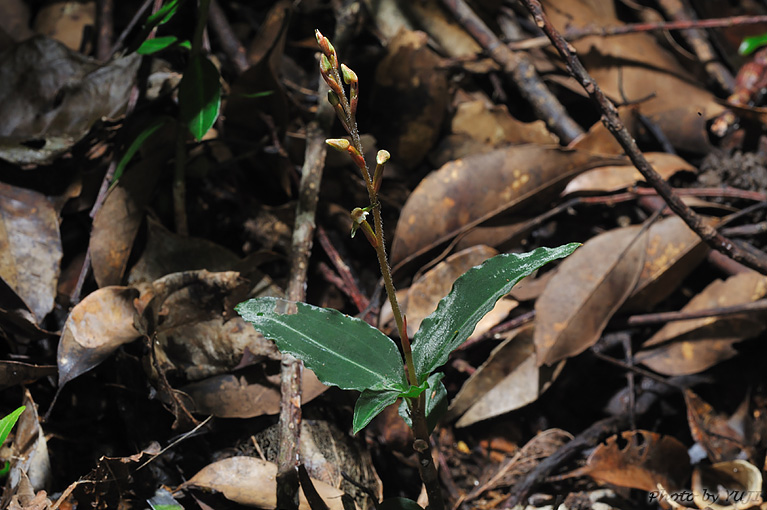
pixel 341 350
pixel 7 423
pixel 473 295
pixel 370 404
pixel 751 44
pixel 199 96
pixel 436 402
pixel 136 144
pixel 163 14
pixel 156 44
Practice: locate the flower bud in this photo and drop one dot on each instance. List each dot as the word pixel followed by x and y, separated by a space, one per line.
pixel 349 75
pixel 339 144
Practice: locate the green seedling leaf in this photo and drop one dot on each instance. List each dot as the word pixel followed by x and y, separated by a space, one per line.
pixel 414 391
pixel 473 295
pixel 341 350
pixel 199 96
pixel 136 145
pixel 151 46
pixel 7 423
pixel 253 95
pixel 751 44
pixel 398 504
pixel 163 14
pixel 370 404
pixel 436 402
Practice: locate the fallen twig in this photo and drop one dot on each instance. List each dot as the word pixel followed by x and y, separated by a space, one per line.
pixel 612 121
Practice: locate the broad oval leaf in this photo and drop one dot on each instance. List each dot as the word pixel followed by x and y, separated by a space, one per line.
pixel 473 295
pixel 199 96
pixel 370 404
pixel 341 350
pixel 588 288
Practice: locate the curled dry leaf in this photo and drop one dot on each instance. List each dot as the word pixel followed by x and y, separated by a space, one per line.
pixel 246 394
pixel 252 482
pixel 639 459
pixel 673 252
pixel 508 380
pixel 30 247
pixel 51 93
pixel 589 286
pixel 469 191
pixel 30 452
pixel 96 326
pixel 691 346
pixel 731 485
pixel 411 92
pixel 711 430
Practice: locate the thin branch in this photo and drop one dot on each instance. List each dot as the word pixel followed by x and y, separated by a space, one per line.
pixel 574 34
pixel 522 72
pixel 612 121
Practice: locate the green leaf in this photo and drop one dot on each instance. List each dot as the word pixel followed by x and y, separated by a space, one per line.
pixel 341 350
pixel 136 145
pixel 151 46
pixel 436 402
pixel 7 423
pixel 473 295
pixel 398 504
pixel 163 14
pixel 199 96
pixel 414 391
pixel 370 404
pixel 751 44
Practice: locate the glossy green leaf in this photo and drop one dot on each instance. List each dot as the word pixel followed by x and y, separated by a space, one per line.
pixel 436 402
pixel 7 423
pixel 751 44
pixel 414 391
pixel 398 504
pixel 151 46
pixel 199 96
pixel 370 404
pixel 473 295
pixel 341 350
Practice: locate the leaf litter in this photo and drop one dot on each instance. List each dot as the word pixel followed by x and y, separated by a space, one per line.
pixel 127 323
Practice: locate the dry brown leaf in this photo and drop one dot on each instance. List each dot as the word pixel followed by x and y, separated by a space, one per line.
pixel 96 326
pixel 13 373
pixel 30 247
pixel 711 430
pixel 66 22
pixel 411 95
pixel 598 138
pixel 252 482
pixel 589 286
pixel 247 394
pixel 673 252
pixel 508 380
pixel 167 252
pixel 469 191
pixel 478 125
pixel 731 485
pixel 635 67
pixel 29 458
pixel 691 346
pixel 117 222
pixel 53 94
pixel 614 178
pixel 425 293
pixel 639 459
pixel 327 452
